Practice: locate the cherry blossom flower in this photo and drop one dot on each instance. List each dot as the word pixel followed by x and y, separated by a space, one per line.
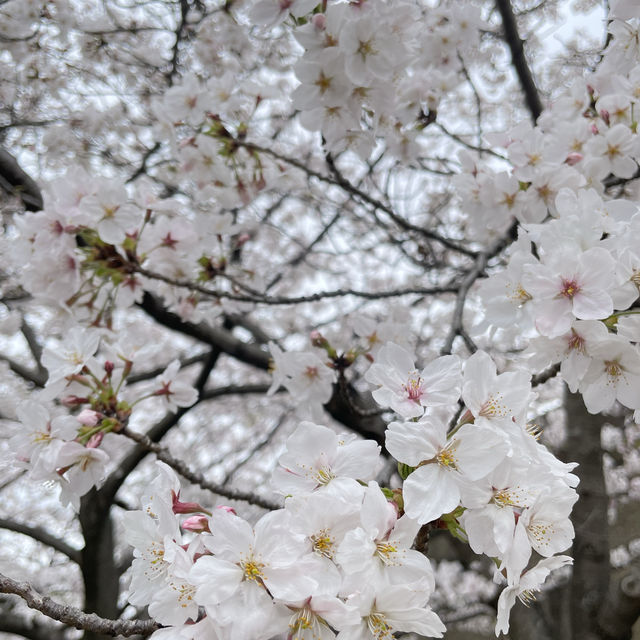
pixel 385 609
pixel 525 587
pixel 317 457
pixel 408 391
pixel 172 388
pixel 568 286
pixel 443 463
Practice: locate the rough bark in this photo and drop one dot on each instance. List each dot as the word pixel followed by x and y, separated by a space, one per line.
pixel 591 567
pixel 519 59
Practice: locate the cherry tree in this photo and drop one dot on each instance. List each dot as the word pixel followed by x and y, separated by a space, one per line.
pixel 316 317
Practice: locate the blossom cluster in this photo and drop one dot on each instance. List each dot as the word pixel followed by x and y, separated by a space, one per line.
pixel 339 557
pixel 66 449
pixel 358 81
pixel 572 279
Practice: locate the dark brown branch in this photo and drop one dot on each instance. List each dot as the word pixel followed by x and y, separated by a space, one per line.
pixel 130 462
pixel 260 298
pixel 340 181
pixel 36 377
pixel 367 426
pixel 73 616
pixel 516 46
pixel 195 476
pixel 15 181
pixel 18 625
pixel 41 535
pixel 591 568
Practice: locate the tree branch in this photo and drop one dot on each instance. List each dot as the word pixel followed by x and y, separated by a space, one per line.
pixel 196 477
pixel 591 567
pixel 16 181
pixel 512 38
pixel 39 534
pixel 73 616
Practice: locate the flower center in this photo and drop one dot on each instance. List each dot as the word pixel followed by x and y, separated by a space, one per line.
pixel 323 544
pixel 527 597
pixel 613 369
pixel 379 626
pixel 575 342
pixel 252 570
pixel 569 288
pixel 324 476
pixel 493 408
pixel 384 551
pixel 447 456
pixel 518 294
pixel 413 387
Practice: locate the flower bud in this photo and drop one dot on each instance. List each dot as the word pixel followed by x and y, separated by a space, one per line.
pixel 319 21
pixel 73 401
pixel 224 507
pixel 89 417
pixel 184 507
pixel 197 524
pixel 573 158
pixel 95 440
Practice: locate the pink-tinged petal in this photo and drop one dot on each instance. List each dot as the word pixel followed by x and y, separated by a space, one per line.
pixel 554 316
pixel 420 620
pixel 309 439
pixel 359 459
pixel 442 380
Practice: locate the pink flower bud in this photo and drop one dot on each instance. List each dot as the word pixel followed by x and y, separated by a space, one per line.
pixel 319 21
pixel 198 524
pixel 89 417
pixel 573 158
pixel 594 129
pixel 604 114
pixel 95 440
pixel 108 367
pixel 224 507
pixel 242 238
pixel 317 339
pixel 73 401
pixel 184 507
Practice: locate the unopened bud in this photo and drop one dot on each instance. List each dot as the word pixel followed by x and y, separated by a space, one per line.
pixel 573 158
pixel 89 417
pixel 95 440
pixel 242 238
pixel 604 114
pixel 197 524
pixel 73 401
pixel 319 21
pixel 185 507
pixel 224 507
pixel 318 340
pixel 108 367
pixel 594 129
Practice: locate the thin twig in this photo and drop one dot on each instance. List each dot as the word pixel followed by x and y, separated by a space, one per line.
pixel 194 476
